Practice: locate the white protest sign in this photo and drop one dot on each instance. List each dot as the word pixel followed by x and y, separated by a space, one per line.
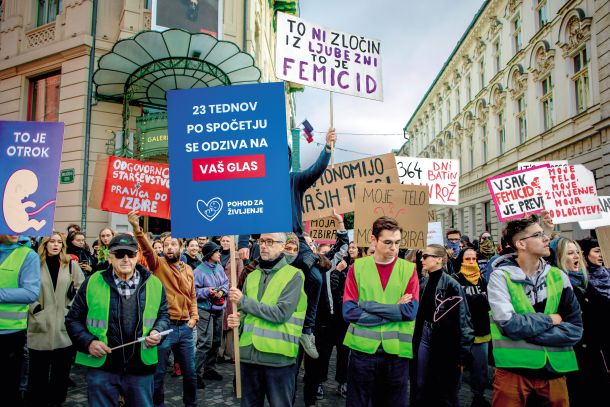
pixel 435 233
pixel 604 204
pixel 518 193
pixel 570 194
pixel 530 164
pixel 442 176
pixel 320 57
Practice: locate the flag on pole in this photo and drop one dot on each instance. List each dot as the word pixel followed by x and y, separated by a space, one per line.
pixel 308 130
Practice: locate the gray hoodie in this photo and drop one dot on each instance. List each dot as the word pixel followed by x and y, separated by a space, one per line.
pixel 537 327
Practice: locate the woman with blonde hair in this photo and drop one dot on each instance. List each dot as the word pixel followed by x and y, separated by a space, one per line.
pixel 105 236
pixel 50 348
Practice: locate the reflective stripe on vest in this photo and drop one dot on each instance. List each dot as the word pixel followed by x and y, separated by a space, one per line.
pixel 98 303
pixel 509 353
pixel 396 338
pixel 13 316
pixel 270 337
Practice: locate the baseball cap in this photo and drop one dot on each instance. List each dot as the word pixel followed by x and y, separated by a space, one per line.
pixel 123 241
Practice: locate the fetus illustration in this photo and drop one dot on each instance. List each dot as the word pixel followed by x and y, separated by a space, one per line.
pixel 21 184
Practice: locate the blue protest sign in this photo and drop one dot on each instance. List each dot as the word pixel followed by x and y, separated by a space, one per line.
pixel 30 155
pixel 228 160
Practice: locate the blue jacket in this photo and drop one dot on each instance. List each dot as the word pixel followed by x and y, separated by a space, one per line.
pixel 29 278
pixel 210 275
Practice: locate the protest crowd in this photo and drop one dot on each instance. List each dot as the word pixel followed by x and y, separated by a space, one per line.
pixel 523 314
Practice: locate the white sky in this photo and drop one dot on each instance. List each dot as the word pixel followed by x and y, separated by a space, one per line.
pixel 416 38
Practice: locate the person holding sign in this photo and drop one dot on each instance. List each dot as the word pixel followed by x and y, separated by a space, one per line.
pixel 380 302
pixel 19 287
pixel 272 309
pixel 112 308
pixel 536 320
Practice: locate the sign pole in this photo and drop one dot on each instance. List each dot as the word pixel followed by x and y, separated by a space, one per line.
pixel 235 330
pixel 332 125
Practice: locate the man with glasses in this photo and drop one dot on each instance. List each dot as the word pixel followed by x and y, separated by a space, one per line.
pixel 536 320
pixel 380 303
pixel 271 314
pixel 115 307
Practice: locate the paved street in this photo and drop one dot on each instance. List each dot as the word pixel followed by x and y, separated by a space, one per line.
pixel 221 393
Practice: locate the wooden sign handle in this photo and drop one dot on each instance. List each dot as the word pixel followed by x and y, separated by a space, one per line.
pixel 235 330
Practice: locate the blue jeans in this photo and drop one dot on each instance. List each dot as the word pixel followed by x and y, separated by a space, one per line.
pixel 257 381
pixel 181 343
pixel 379 379
pixel 313 283
pixel 479 373
pixel 103 388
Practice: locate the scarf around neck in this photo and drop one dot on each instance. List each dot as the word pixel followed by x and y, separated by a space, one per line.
pixel 487 248
pixel 471 272
pixel 599 278
pixel 578 279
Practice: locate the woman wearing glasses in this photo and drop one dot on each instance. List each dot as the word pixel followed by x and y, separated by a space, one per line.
pixel 49 346
pixel 443 333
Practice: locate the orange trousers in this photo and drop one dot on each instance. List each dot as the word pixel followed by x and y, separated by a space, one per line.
pixel 513 390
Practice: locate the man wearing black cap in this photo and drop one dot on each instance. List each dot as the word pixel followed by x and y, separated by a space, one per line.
pixel 115 307
pixel 212 287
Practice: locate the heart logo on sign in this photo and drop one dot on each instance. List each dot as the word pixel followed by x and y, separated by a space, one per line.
pixel 210 209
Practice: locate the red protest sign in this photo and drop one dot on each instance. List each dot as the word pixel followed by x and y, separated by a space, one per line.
pixel 136 185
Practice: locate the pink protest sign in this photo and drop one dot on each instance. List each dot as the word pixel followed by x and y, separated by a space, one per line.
pixel 570 194
pixel 518 193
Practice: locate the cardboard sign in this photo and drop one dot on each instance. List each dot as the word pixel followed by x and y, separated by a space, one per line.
pixel 435 233
pixel 570 194
pixel 408 204
pixel 135 185
pixel 228 160
pixel 336 186
pixel 316 56
pixel 30 154
pixel 530 164
pixel 603 237
pixel 442 176
pixel 604 204
pixel 518 193
pixel 323 229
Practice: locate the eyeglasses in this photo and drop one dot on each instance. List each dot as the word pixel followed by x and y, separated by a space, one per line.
pixel 483 238
pixel 426 255
pixel 119 254
pixel 268 242
pixel 391 242
pixel 537 235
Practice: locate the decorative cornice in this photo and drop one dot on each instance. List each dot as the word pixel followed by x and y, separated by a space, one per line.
pixel 545 61
pixel 480 47
pixel 495 26
pixel 578 33
pixel 518 81
pixel 498 100
pixel 513 5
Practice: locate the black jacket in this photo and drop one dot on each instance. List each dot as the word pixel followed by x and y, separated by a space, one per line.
pixel 452 333
pixel 476 296
pixel 125 359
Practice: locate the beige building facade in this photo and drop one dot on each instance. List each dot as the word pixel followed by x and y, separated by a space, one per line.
pixel 528 81
pixel 45 75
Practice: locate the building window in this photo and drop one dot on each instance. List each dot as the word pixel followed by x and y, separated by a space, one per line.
pixel 517 40
pixel 43 100
pixel 471 221
pixel 547 102
pixel 484 147
pixel 487 215
pixel 457 100
pixel 48 11
pixel 497 56
pixel 471 153
pixel 481 73
pixel 448 109
pixel 501 133
pixel 521 122
pixel 468 88
pixel 581 80
pixel 543 13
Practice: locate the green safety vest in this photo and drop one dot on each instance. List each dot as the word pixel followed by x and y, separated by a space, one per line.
pixel 510 353
pixel 396 338
pixel 271 337
pixel 98 302
pixel 13 316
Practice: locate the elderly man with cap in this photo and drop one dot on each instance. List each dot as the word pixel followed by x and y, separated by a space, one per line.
pixel 212 287
pixel 114 307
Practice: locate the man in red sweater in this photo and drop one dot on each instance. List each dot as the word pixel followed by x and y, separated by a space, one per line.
pixel 380 303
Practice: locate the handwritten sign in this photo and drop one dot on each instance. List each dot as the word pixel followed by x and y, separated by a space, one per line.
pixel 570 194
pixel 441 176
pixel 323 229
pixel 408 204
pixel 518 193
pixel 225 150
pixel 316 56
pixel 30 154
pixel 435 234
pixel 136 185
pixel 336 187
pixel 552 164
pixel 604 204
